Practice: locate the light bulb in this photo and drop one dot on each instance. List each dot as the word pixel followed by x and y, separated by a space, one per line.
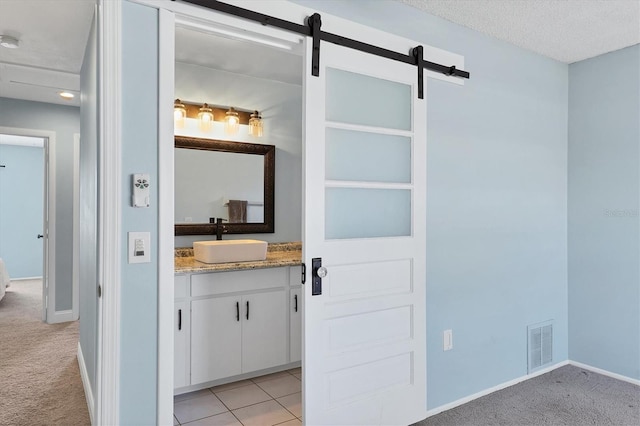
pixel 179 114
pixel 205 118
pixel 231 122
pixel 255 124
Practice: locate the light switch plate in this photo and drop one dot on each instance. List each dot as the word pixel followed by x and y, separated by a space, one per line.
pixel 139 247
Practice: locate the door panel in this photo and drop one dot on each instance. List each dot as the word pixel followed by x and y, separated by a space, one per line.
pixel 357 98
pixel 181 344
pixel 295 324
pixel 264 330
pixel 215 339
pixel 367 213
pixel 365 205
pixel 382 157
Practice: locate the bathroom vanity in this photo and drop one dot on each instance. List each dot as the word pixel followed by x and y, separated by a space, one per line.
pixel 236 320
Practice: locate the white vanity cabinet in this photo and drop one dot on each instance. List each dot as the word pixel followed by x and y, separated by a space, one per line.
pixel 181 327
pixel 237 334
pixel 216 338
pixel 295 314
pixel 238 322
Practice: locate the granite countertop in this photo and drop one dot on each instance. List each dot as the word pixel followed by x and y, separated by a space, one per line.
pixel 278 254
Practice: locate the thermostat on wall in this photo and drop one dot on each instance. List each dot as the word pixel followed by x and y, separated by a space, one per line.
pixel 140 190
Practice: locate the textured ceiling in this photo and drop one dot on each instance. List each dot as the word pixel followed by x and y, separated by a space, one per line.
pixel 565 30
pixel 53 34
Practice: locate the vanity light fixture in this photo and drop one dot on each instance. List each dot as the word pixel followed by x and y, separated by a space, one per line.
pixel 179 114
pixel 205 118
pixel 255 124
pixel 231 122
pixel 206 114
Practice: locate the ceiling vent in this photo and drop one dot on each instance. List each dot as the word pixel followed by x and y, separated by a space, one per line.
pixel 540 345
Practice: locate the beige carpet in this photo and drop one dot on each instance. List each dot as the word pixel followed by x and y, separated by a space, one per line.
pixel 39 377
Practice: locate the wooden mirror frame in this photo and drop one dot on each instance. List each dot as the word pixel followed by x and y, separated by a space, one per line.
pixel 269 153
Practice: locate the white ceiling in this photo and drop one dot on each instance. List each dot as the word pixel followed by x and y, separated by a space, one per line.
pixel 565 30
pixel 53 35
pixel 228 53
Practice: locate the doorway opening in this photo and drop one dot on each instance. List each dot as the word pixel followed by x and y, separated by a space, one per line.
pixel 25 218
pixel 230 368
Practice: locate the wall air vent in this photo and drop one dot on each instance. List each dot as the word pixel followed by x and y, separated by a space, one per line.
pixel 540 345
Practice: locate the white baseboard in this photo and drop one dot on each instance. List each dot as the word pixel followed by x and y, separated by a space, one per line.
pixel 88 393
pixel 496 388
pixel 605 372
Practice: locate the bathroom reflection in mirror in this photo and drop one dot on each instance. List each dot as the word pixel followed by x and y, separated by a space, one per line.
pixel 221 179
pixel 212 184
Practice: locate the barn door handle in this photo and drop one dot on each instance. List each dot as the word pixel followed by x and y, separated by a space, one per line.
pixel 237 311
pixel 295 297
pixel 318 272
pixel 179 319
pixel 247 309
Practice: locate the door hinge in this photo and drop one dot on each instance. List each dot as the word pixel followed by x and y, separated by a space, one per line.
pixel 99 291
pixel 303 273
pixel 46 302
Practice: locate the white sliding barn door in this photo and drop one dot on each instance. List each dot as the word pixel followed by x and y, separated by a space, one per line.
pixel 364 155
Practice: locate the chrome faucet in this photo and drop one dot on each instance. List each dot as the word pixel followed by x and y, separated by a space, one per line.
pixel 219 228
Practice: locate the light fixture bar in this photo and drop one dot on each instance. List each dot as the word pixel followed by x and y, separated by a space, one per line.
pixel 219 113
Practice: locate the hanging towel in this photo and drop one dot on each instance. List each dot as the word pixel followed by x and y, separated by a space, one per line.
pixel 237 211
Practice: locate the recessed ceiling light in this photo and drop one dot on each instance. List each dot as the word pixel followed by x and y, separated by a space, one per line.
pixel 9 42
pixel 67 95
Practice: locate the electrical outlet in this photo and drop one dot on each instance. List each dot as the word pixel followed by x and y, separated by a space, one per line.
pixel 447 340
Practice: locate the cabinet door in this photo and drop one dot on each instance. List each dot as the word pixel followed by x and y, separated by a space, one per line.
pixel 264 330
pixel 181 344
pixel 295 323
pixel 215 338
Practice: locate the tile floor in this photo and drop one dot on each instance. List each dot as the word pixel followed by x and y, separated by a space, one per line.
pixel 274 399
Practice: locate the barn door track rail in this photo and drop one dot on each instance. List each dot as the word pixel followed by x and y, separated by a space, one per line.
pixel 312 28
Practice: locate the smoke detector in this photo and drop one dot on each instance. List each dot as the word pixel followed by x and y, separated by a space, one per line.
pixel 9 42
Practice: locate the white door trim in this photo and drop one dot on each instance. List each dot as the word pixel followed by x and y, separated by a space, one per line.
pixel 49 313
pixel 75 305
pixel 166 64
pixel 107 407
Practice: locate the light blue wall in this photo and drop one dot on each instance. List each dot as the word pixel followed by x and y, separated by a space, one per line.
pixel 496 201
pixel 88 235
pixel 139 296
pixel 64 121
pixel 21 198
pixel 604 212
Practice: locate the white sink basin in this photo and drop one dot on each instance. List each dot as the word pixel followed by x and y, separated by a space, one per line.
pixel 229 251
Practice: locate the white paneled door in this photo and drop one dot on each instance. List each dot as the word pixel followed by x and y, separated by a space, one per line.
pixel 364 358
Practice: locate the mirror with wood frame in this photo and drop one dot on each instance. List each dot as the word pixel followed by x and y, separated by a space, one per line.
pixel 222 179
